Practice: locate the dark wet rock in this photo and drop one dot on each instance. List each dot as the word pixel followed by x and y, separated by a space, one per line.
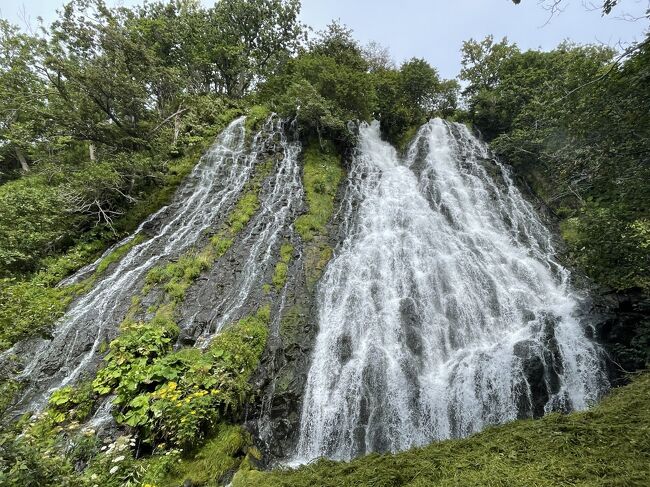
pixel 411 325
pixel 345 348
pixel 534 394
pixel 620 321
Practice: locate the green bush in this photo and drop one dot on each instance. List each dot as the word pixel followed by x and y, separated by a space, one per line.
pixel 180 397
pixel 33 223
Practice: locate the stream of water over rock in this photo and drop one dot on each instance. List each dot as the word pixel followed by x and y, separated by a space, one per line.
pixel 204 197
pixel 444 309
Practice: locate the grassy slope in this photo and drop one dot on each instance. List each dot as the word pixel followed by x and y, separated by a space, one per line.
pixel 608 445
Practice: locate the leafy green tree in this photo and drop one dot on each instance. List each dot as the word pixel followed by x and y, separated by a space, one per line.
pixel 425 91
pixel 101 73
pixel 251 39
pixel 23 111
pixel 481 62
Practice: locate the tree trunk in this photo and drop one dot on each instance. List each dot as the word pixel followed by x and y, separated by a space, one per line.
pixel 91 151
pixel 21 158
pixel 177 126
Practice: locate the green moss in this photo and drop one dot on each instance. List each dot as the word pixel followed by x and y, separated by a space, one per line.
pixel 607 446
pixel 316 258
pixel 282 267
pixel 221 244
pixel 219 456
pixel 118 253
pixel 322 175
pixel 246 207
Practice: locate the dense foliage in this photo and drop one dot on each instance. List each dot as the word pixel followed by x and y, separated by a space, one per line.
pixel 334 80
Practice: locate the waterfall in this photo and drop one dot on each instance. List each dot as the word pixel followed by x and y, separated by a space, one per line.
pixel 204 197
pixel 443 310
pixel 279 206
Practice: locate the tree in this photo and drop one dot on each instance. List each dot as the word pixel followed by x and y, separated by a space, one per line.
pixel 22 96
pixel 424 91
pixel 251 40
pixel 481 62
pixel 378 57
pixel 101 72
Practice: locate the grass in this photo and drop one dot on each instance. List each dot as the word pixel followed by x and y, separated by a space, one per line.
pixel 316 258
pixel 29 308
pixel 608 445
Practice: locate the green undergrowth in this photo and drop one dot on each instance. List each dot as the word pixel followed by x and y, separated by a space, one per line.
pixel 223 454
pixel 179 397
pixel 608 445
pixel 29 308
pixel 180 405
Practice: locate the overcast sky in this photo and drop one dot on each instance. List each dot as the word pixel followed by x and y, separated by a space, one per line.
pixel 435 29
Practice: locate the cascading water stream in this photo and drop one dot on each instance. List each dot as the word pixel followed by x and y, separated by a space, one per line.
pixel 443 310
pixel 213 186
pixel 278 209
